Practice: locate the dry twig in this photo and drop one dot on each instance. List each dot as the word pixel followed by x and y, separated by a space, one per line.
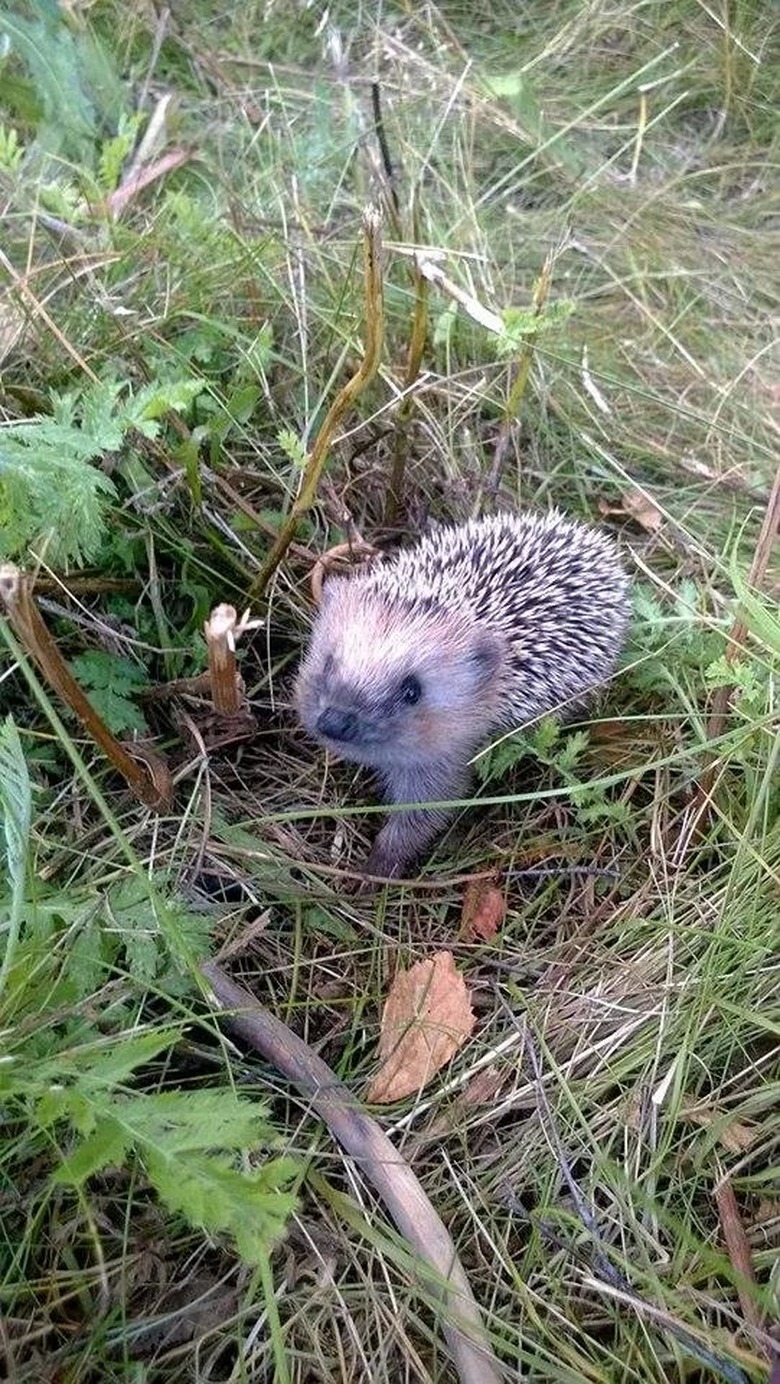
pixel 381 1162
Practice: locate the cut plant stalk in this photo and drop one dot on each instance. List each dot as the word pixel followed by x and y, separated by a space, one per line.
pixel 413 362
pixel 373 288
pixel 144 770
pixel 227 687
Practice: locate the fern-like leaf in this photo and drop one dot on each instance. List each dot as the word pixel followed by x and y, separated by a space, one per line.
pixel 252 1207
pixel 50 493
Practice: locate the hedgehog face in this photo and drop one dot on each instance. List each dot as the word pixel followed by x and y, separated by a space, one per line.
pixel 389 684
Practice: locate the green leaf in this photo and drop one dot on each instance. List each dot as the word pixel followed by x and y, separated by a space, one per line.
pixel 16 808
pixel 518 90
pixel 522 324
pixel 75 81
pixel 155 400
pixel 739 673
pixel 114 152
pixel 100 1066
pixel 170 1123
pixel 11 151
pixel 106 1145
pixel 15 803
pixel 188 1142
pixel 502 757
pixel 157 933
pixel 756 610
pixel 49 490
pixel 186 454
pixel 251 1207
pixel 571 750
pixel 110 682
pixel 48 51
pixel 292 447
pixel 546 736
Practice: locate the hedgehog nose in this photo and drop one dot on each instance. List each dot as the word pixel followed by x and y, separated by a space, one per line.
pixel 336 724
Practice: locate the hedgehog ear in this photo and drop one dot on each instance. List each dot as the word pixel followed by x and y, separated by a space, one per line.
pixel 485 657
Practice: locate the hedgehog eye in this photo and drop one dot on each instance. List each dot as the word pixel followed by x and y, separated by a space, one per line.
pixel 410 691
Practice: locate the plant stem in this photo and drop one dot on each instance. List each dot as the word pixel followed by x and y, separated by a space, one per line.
pixel 372 266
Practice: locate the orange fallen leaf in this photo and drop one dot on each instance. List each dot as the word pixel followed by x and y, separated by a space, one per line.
pixel 427 1015
pixel 483 911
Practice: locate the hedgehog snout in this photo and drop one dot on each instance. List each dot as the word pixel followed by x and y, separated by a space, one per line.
pixel 337 724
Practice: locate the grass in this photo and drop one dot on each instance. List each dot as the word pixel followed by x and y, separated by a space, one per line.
pixel 624 1065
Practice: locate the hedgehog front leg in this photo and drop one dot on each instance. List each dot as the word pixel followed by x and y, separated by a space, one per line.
pixel 406 835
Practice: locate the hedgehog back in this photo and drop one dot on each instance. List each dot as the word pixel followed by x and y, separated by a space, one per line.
pixel 552 587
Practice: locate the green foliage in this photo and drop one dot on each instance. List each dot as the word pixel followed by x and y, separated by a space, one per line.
pixel 188 1144
pixel 111 682
pixel 51 494
pixel 132 916
pixel 761 618
pixel 562 753
pixel 70 1078
pixel 70 72
pixel 670 637
pixel 518 89
pixel 114 152
pixel 648 129
pixel 11 151
pixel 522 324
pixel 292 447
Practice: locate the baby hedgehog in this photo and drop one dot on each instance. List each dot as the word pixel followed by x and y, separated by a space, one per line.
pixel 415 661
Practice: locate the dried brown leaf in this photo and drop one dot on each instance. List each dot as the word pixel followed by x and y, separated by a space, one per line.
pixel 482 1089
pixel 637 505
pixel 483 911
pixel 733 1135
pixel 641 509
pixel 427 1015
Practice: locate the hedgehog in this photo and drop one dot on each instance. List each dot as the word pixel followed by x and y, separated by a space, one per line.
pixel 416 661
